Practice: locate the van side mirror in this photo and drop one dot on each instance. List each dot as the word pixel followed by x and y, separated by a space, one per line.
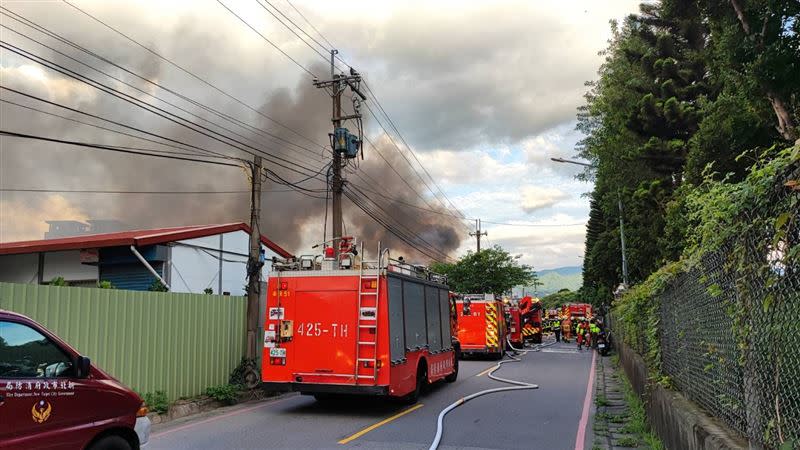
pixel 82 365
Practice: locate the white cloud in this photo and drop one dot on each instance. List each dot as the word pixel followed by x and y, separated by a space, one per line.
pixel 472 167
pixel 533 198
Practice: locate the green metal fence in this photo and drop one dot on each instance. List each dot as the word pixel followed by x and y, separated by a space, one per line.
pixel 178 343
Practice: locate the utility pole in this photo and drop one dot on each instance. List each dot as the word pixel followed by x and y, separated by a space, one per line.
pixel 340 138
pixel 622 241
pixel 254 262
pixel 478 233
pixel 337 185
pixel 625 280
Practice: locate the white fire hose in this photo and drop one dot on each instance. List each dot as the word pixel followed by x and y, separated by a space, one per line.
pixel 518 386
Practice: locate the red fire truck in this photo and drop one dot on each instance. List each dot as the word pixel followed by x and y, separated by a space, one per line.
pixel 531 312
pixel 514 324
pixel 573 310
pixel 338 324
pixel 481 325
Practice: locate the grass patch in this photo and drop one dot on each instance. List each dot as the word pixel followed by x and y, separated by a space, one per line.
pixel 637 423
pixel 156 401
pixel 620 418
pixel 602 416
pixel 628 441
pixel 601 400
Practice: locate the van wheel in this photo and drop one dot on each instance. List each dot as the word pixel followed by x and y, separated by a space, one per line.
pixel 422 378
pixel 111 443
pixel 453 376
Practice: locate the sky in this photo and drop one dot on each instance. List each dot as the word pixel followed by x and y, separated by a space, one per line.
pixel 485 93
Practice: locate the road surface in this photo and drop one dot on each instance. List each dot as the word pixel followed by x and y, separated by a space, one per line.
pixel 547 418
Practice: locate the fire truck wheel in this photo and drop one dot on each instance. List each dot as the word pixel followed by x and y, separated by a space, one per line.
pixel 422 382
pixel 497 356
pixel 453 376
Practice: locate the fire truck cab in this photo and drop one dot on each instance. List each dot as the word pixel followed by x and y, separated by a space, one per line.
pixel 481 325
pixel 338 324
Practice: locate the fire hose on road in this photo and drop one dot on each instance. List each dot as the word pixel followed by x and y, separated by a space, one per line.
pixel 518 386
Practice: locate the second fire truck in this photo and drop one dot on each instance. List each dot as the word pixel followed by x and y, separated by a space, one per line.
pixel 530 309
pixel 481 325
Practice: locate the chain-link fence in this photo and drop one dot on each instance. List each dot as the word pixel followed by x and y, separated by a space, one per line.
pixel 729 328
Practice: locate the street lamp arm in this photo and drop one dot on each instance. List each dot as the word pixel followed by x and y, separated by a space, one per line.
pixel 569 161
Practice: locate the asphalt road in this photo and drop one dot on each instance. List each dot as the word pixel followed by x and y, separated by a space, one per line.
pixel 547 418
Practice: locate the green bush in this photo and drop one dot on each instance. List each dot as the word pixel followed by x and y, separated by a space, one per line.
pixel 157 286
pixel 105 285
pixel 226 393
pixel 156 401
pixel 58 281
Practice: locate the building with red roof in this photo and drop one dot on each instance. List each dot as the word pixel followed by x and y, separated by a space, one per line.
pixel 187 259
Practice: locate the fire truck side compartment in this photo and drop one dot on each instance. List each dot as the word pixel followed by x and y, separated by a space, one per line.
pixel 444 315
pixel 397 339
pixel 414 312
pixel 433 320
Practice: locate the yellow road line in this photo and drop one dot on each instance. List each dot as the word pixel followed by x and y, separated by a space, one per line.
pixel 380 424
pixel 485 371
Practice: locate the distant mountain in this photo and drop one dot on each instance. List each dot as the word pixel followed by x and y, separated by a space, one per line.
pixel 553 280
pixel 566 271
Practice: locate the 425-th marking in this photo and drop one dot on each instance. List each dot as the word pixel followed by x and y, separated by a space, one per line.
pixel 313 329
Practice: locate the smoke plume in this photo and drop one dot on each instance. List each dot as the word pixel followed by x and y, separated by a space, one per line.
pixel 293 220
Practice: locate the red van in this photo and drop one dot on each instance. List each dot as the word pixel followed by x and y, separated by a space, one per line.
pixel 51 397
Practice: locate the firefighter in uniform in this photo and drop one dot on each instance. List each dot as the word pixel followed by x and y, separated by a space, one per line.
pixel 594 330
pixel 556 327
pixel 583 334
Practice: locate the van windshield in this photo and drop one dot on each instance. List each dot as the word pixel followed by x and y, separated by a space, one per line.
pixel 26 353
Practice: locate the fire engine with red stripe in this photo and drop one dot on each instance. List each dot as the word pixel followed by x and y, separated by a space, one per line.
pixel 339 324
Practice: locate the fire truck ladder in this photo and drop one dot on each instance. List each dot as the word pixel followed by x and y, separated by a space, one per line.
pixel 367 337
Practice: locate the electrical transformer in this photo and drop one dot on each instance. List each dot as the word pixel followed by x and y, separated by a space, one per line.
pixel 345 142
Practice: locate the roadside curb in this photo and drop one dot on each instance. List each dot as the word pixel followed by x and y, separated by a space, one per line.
pixel 192 407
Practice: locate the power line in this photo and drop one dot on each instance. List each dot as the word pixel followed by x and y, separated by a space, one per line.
pixel 411 234
pixel 397 147
pixel 94 116
pixel 449 214
pixel 404 234
pixel 402 178
pixel 292 30
pixel 380 107
pixel 193 75
pixel 137 192
pixel 266 39
pixel 128 150
pixel 200 129
pixel 101 58
pixel 324 58
pixel 391 123
pixel 311 25
pixel 19 105
pixel 535 224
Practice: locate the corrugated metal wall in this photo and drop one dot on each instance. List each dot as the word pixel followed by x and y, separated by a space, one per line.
pixel 178 343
